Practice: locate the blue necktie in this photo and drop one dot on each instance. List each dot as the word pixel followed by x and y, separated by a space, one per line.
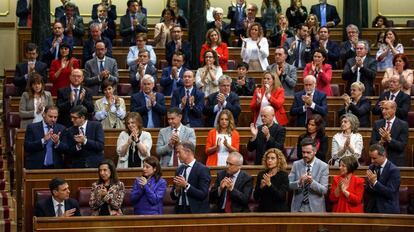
pixel 76 96
pixel 49 151
pixel 101 67
pixel 323 15
pixel 297 61
pixel 150 123
pixel 187 108
pixel 183 193
pixel 57 52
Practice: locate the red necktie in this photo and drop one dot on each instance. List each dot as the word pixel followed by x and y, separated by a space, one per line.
pixel 388 125
pixel 227 206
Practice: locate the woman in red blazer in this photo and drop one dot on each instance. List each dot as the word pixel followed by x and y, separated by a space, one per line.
pixel 322 71
pixel 222 140
pixel 213 42
pixel 61 68
pixel 347 190
pixel 271 93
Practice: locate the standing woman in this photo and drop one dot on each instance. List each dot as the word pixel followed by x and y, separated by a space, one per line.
pixel 134 144
pixel 388 50
pixel 281 31
pixel 313 25
pixel 401 69
pixel 149 189
pixel 296 13
pixel 110 110
pixel 271 93
pixel 269 10
pixel 208 75
pixel 33 101
pixel 108 192
pixel 213 42
pixel 272 184
pixel 61 68
pixel 162 31
pixel 315 129
pixel 322 71
pixel 179 13
pixel 255 48
pixel 222 140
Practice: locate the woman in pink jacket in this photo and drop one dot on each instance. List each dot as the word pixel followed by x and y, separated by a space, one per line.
pixel 322 71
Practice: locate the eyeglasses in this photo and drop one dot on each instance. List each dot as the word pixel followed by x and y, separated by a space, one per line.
pixel 209 57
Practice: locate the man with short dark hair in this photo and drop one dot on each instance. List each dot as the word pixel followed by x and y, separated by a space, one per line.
pixel 73 23
pixel 172 76
pixel 299 47
pixel 177 44
pixel 59 204
pixel 141 67
pixel 50 49
pixel 133 22
pixel 330 47
pixel 383 183
pixel 284 71
pixel 326 13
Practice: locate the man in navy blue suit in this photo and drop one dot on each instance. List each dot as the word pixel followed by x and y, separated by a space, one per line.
pixel 149 104
pixel 308 101
pixel 190 100
pixel 108 6
pixel 326 13
pixel 104 19
pixel 177 44
pixel 330 47
pixel 50 49
pixel 172 76
pixel 40 140
pixel 83 143
pixel 383 183
pixel 191 182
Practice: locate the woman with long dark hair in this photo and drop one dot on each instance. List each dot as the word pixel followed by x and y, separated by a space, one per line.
pixel 315 129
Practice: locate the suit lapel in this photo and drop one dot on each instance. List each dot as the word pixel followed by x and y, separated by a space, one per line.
pixel 51 207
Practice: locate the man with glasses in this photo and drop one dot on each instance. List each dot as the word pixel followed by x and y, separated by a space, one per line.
pixel 177 44
pixel 348 47
pixel 232 189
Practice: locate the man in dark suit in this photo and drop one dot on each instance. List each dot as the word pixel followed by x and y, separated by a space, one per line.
pixel 83 143
pixel 361 68
pixel 89 49
pixel 223 99
pixel 330 47
pixel 190 100
pixel 149 104
pixel 172 76
pixel 73 95
pixel 50 49
pixel 348 47
pixel 24 12
pixel 299 47
pixel 233 187
pixel 237 15
pixel 191 182
pixel 100 68
pixel 383 183
pixel 72 23
pixel 23 70
pixel 392 133
pixel 326 13
pixel 394 93
pixel 269 135
pixel 40 140
pixel 308 101
pixel 132 23
pixel 109 8
pixel 60 10
pixel 177 44
pixel 220 25
pixel 108 26
pixel 142 67
pixel 59 204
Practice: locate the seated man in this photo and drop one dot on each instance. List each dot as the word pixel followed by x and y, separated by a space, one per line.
pixel 40 142
pixel 89 49
pixel 383 183
pixel 233 187
pixel 285 71
pixel 100 68
pixel 107 25
pixel 223 99
pixel 269 135
pixel 142 66
pixel 148 103
pixel 59 204
pixel 109 8
pixel 392 133
pixel 172 76
pixel 50 50
pixel 394 93
pixel 83 143
pixel 73 24
pixel 171 136
pixel 23 70
pixel 190 100
pixel 133 22
pixel 348 48
pixel 308 101
pixel 243 85
pixel 309 180
pixel 177 44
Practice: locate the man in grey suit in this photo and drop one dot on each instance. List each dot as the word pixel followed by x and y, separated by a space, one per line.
pixel 169 137
pixel 285 71
pixel 100 68
pixel 309 180
pixel 299 47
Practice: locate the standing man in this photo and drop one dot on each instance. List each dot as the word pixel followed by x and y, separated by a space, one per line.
pixel 233 187
pixel 220 25
pixel 177 44
pixel 237 15
pixel 383 183
pixel 172 76
pixel 309 180
pixel 330 47
pixel 108 6
pixel 348 47
pixel 72 24
pixel 141 67
pixel 285 71
pixel 266 136
pixel 50 50
pixel 171 136
pixel 24 12
pixel 89 46
pixel 326 13
pixel 40 142
pixel 108 27
pixel 299 47
pixel 133 22
pixel 191 182
pixel 392 133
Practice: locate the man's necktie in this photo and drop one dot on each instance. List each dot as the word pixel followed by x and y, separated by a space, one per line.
pixel 297 55
pixel 183 193
pixel 378 171
pixel 59 210
pixel 76 96
pixel 81 131
pixel 227 205
pixel 392 98
pixel 323 15
pixel 101 67
pixel 49 151
pixel 57 51
pixel 388 126
pixel 306 187
pixel 175 157
pixel 186 120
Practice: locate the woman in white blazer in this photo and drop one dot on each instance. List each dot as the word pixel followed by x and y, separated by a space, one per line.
pixel 255 48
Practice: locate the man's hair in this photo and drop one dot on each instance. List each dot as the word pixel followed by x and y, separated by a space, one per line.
pixel 307 141
pixel 55 183
pixel 175 110
pixel 95 25
pixel 224 78
pixel 50 107
pixel 31 47
pixel 379 148
pixel 284 50
pixel 80 110
pixel 238 156
pixel 69 5
pixel 144 51
pixel 148 77
pixel 188 145
pixel 130 2
pixel 243 64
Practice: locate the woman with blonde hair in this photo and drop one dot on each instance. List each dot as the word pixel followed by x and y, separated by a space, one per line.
pixel 255 48
pixel 213 42
pixel 313 25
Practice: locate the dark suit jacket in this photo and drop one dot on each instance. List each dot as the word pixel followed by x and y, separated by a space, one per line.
pixel 239 196
pixel 110 31
pixel 48 54
pixel 321 106
pixel 167 83
pixel 21 70
pixel 233 15
pixel 361 109
pixel 304 53
pixel 78 31
pixel 22 11
pixel 64 104
pixel 199 179
pixel 139 105
pixel 331 13
pixel 224 31
pixel 367 75
pixel 261 145
pixel 91 153
pixel 333 52
pixel 192 115
pixel 111 12
pixel 383 197
pixel 89 48
pixel 402 100
pixel 60 12
pixel 128 34
pixel 233 104
pixel 346 52
pixel 45 208
pixel 399 137
pixel 136 85
pixel 273 198
pixel 36 150
pixel 185 49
